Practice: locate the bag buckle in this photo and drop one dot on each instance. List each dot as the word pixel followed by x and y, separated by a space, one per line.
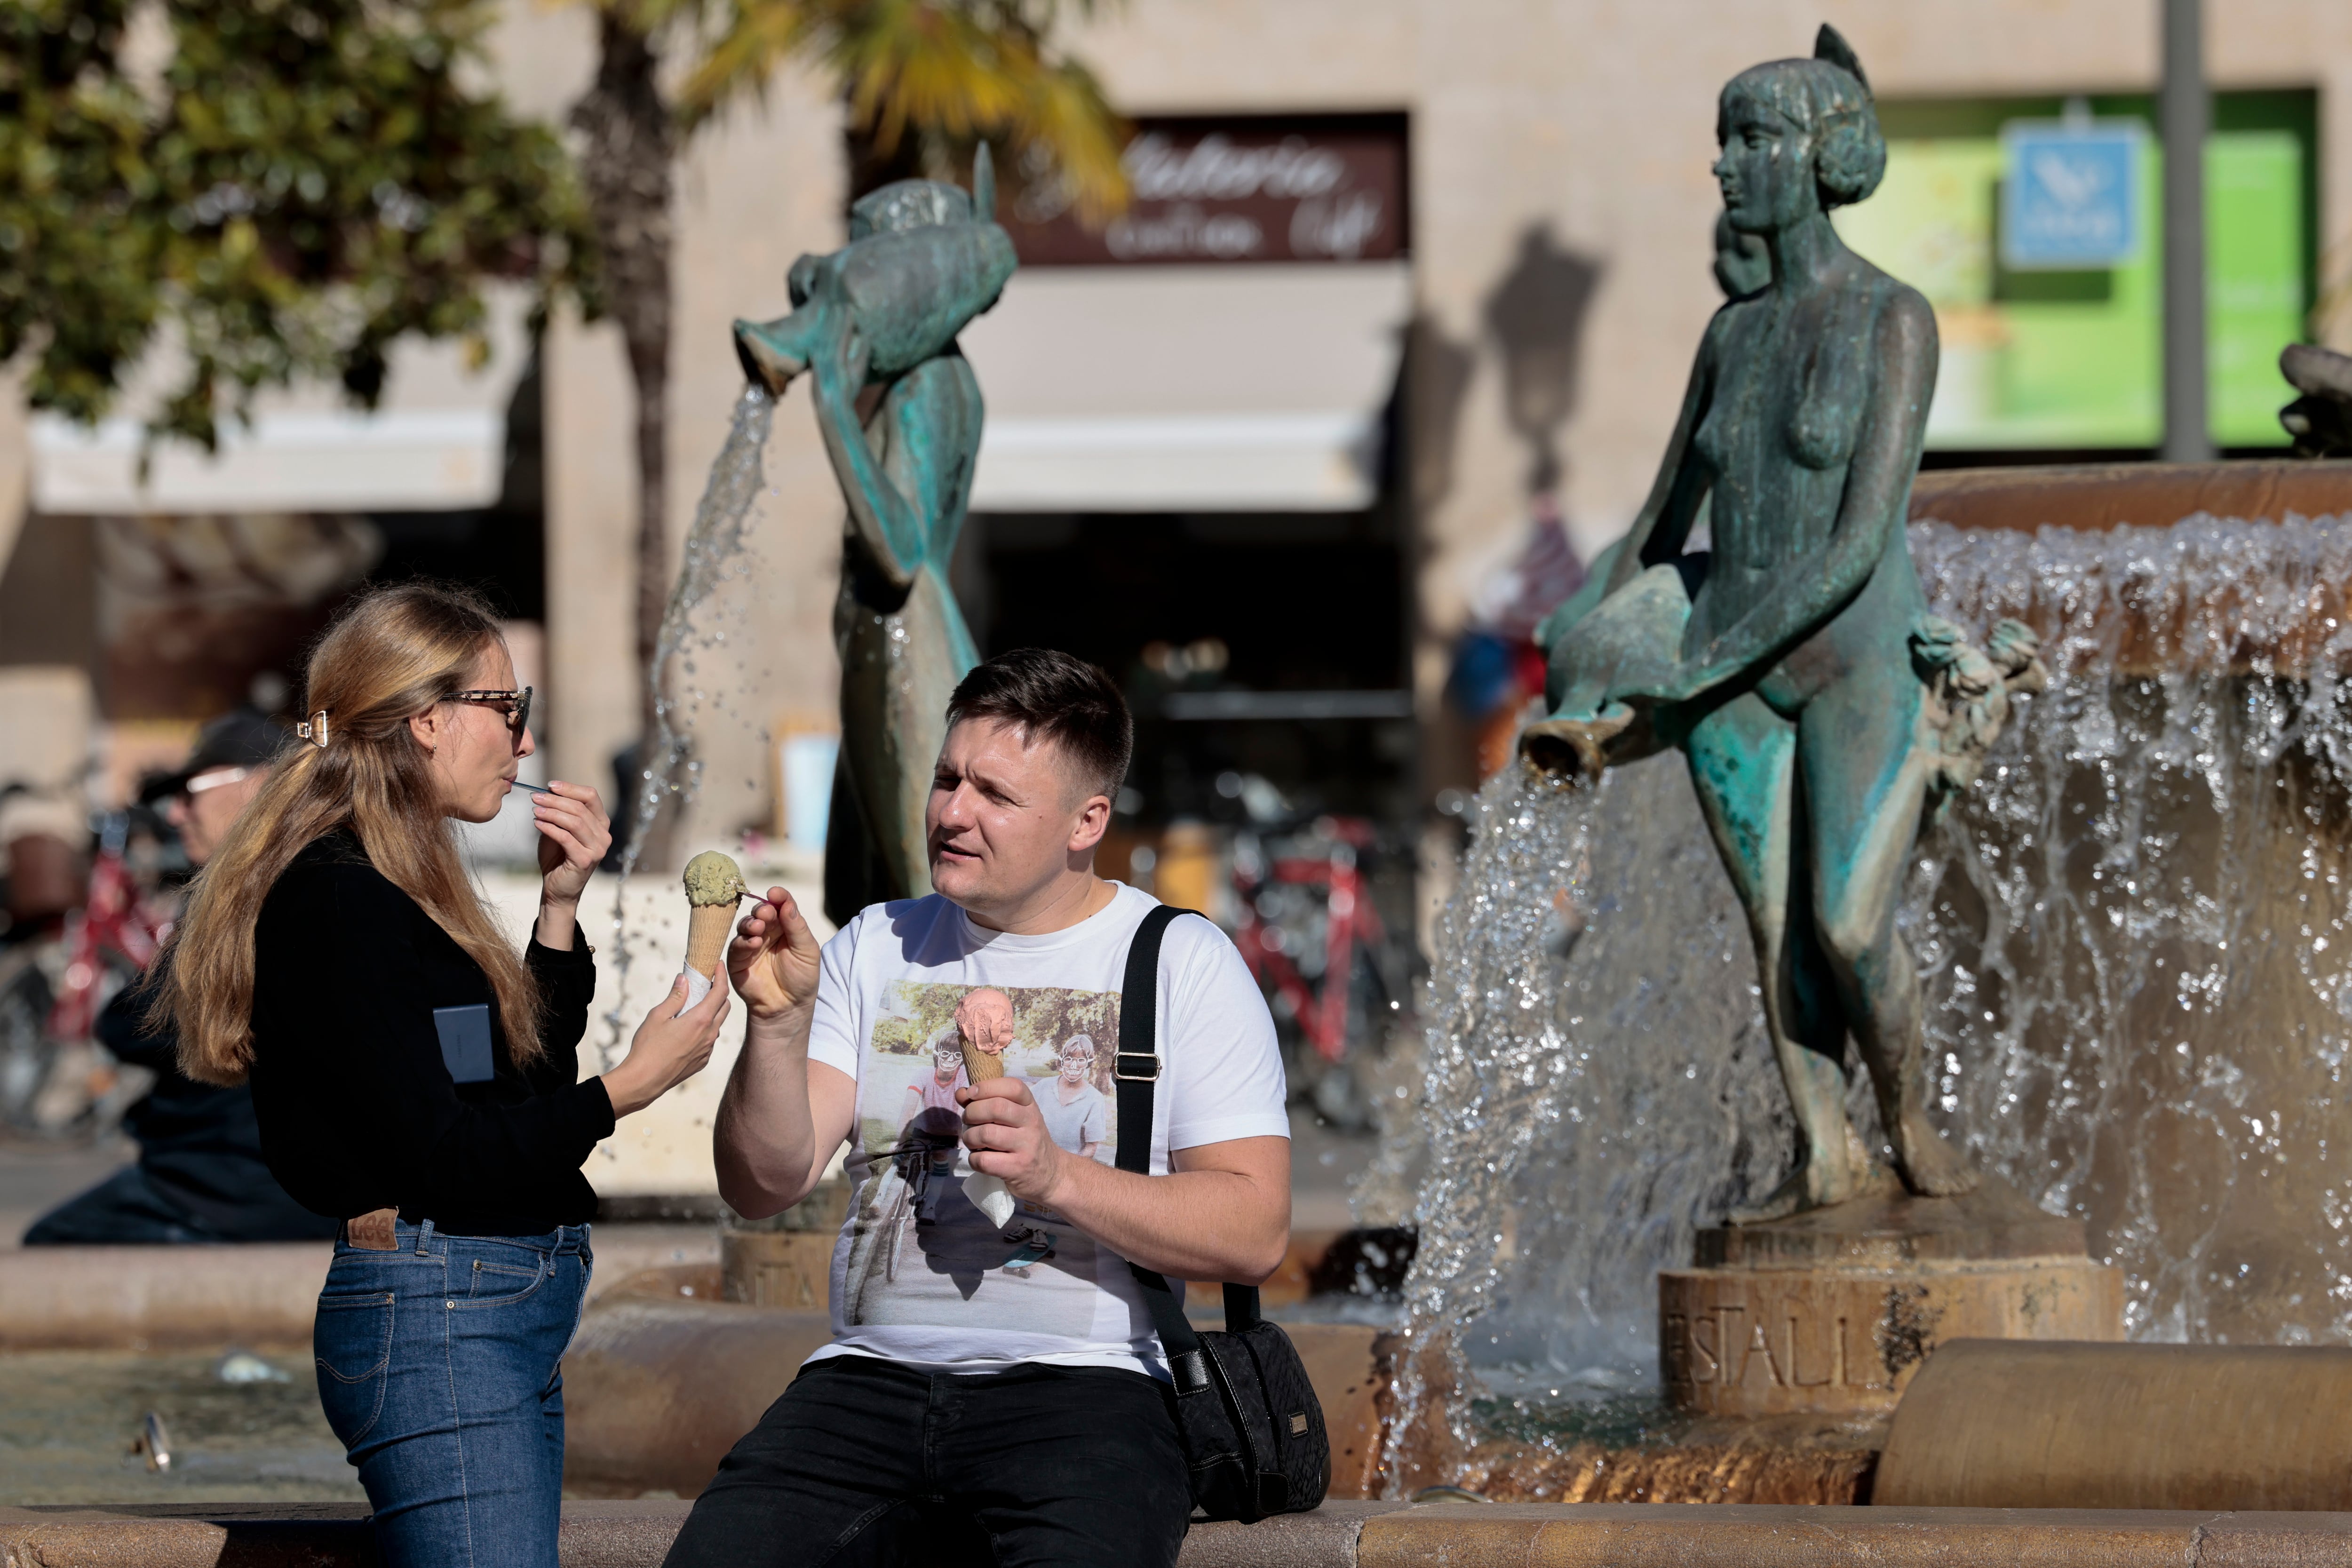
pixel 1118 1066
pixel 1188 1371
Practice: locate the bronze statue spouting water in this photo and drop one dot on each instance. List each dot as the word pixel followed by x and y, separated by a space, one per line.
pixel 875 325
pixel 1822 709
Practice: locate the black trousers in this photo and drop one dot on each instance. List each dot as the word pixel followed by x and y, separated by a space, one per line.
pixel 866 1462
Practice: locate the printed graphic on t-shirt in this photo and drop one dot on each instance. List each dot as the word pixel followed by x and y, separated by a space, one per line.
pixel 916 1240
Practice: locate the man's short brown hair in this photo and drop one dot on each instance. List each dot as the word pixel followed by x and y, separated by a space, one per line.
pixel 1052 695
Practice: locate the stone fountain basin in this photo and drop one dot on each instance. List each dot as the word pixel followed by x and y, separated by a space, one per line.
pixel 1338 1535
pixel 2094 497
pixel 2100 497
pixel 2034 1424
pixel 261 1294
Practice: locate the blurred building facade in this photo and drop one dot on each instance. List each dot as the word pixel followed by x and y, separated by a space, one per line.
pixel 1408 280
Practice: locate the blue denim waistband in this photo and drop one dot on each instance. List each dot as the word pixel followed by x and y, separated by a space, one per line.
pixel 428 1240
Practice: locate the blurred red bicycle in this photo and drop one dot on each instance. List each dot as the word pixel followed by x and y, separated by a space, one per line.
pixel 55 974
pixel 1330 1006
pixel 119 927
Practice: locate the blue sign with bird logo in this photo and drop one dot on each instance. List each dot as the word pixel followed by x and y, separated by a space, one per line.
pixel 2070 195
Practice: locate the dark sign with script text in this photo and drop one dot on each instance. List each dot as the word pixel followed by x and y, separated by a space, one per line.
pixel 1307 188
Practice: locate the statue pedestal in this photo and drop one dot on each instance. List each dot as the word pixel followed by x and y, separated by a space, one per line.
pixel 1831 1312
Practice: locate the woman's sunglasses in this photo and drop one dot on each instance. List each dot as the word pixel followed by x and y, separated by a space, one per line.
pixel 516 704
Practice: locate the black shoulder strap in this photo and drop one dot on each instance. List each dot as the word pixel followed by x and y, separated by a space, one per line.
pixel 1136 1070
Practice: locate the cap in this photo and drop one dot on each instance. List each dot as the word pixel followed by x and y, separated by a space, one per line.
pixel 240 739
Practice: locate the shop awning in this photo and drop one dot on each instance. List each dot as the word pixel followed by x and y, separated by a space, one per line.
pixel 436 443
pixel 1188 388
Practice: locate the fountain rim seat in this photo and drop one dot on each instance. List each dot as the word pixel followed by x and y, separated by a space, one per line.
pixel 2099 497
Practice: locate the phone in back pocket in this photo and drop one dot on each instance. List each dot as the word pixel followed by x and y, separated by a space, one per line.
pixel 466 1042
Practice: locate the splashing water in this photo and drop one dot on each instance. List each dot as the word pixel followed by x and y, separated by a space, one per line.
pixel 715 554
pixel 2137 928
pixel 2135 937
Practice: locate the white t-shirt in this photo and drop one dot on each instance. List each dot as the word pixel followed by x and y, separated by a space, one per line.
pixel 920 1275
pixel 1085 1119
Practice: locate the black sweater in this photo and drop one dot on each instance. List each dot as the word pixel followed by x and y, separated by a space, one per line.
pixel 358 1111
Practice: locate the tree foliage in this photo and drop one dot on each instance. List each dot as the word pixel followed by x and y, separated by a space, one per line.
pixel 304 182
pixel 948 72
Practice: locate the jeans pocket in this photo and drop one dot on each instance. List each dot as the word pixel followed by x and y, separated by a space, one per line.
pixel 351 1342
pixel 495 1273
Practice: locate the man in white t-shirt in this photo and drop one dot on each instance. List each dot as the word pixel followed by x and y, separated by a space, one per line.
pixel 993 1389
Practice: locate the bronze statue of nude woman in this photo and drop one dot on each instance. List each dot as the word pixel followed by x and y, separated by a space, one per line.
pixel 1823 711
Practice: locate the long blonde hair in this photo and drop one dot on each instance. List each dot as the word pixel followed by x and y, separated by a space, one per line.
pixel 396 653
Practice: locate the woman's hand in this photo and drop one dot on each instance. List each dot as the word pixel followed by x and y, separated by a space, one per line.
pixel 668 1047
pixel 773 958
pixel 573 836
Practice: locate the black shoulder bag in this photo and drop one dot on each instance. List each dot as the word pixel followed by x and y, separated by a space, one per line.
pixel 1252 1427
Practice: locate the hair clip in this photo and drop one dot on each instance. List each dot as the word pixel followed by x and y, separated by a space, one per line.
pixel 314 729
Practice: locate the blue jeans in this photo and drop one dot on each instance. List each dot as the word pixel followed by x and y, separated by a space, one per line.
pixel 437 1367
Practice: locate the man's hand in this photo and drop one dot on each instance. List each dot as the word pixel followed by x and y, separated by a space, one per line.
pixel 773 959
pixel 1008 1139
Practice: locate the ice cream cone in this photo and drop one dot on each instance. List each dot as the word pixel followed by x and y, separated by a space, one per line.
pixel 983 1026
pixel 978 1066
pixel 714 884
pixel 706 926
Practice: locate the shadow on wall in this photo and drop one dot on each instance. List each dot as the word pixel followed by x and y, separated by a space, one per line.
pixel 1437 372
pixel 1536 317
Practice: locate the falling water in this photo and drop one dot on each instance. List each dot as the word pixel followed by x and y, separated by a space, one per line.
pixel 714 555
pixel 2138 929
pixel 2135 936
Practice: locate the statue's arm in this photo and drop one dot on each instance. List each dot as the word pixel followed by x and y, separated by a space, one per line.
pixel 1815 586
pixel 886 517
pixel 932 422
pixel 1664 524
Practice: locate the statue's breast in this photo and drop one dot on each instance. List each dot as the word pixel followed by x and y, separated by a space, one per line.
pixel 1797 379
pixel 1713 441
pixel 1825 396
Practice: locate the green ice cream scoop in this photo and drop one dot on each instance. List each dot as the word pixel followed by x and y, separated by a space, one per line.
pixel 713 879
pixel 713 884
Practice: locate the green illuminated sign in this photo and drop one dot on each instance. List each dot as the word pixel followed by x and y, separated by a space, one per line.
pixel 2073 358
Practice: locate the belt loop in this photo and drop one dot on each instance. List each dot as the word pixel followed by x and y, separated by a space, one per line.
pixel 424 1239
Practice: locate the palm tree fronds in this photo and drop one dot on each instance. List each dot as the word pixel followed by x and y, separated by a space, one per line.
pixel 944 70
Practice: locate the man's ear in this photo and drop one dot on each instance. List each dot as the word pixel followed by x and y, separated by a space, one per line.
pixel 1094 821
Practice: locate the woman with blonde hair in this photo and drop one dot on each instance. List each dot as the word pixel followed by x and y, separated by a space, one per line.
pixel 413 1077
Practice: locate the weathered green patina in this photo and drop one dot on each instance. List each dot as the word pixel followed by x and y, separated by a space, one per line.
pixel 875 324
pixel 1822 709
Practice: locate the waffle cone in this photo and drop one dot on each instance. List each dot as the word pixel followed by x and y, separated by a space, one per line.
pixel 707 928
pixel 979 1066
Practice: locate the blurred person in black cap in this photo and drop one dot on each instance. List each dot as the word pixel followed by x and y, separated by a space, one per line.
pixel 200 1175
